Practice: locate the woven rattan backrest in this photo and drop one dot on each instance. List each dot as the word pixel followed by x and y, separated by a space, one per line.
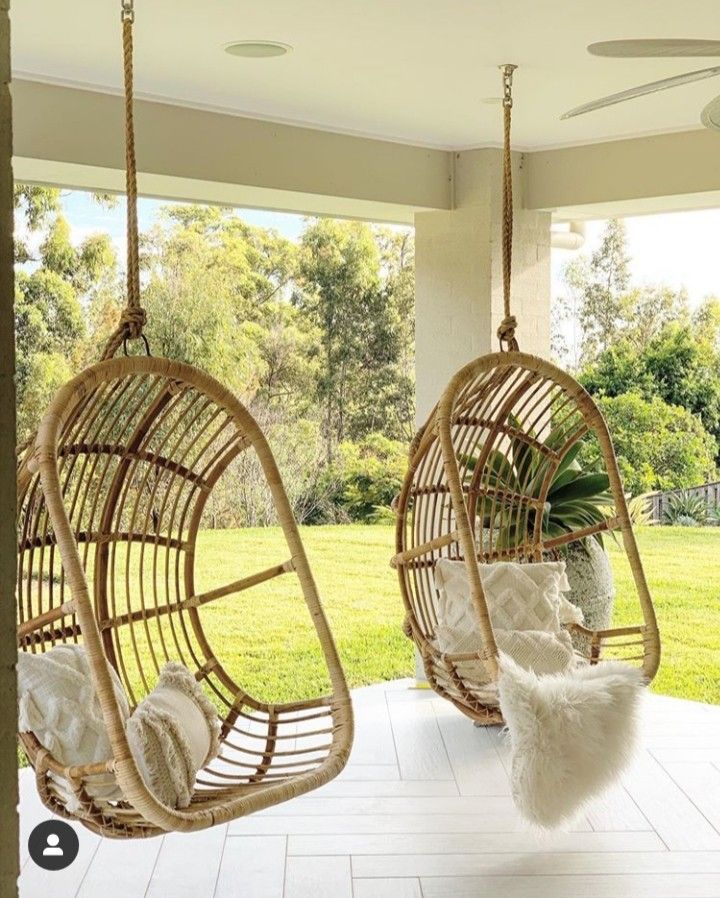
pixel 131 450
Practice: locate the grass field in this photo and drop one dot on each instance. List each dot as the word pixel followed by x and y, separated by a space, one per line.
pixel 266 636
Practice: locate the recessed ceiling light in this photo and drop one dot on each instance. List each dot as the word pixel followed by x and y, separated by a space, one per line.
pixel 257 49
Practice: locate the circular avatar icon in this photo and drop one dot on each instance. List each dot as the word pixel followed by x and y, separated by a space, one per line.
pixel 53 845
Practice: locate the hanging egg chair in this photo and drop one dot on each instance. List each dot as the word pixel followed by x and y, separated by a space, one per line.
pixel 467 497
pixel 112 492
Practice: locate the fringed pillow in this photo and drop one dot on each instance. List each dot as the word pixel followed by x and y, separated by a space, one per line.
pixel 174 733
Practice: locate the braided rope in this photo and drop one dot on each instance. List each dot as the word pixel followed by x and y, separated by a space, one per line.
pixel 133 317
pixel 506 331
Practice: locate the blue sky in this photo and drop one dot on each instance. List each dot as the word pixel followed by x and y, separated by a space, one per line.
pixel 679 250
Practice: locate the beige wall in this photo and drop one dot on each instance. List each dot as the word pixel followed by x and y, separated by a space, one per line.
pixel 458 277
pixel 8 652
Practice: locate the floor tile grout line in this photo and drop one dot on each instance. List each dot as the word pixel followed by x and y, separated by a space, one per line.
pixel 447 752
pixel 642 813
pixel 394 740
pixel 220 862
pixel 690 799
pixel 285 865
pixel 154 866
pixel 546 875
pixel 87 869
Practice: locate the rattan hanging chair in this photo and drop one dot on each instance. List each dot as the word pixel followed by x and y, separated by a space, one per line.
pixel 467 497
pixel 112 492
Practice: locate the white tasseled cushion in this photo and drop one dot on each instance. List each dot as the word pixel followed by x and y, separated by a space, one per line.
pixel 173 733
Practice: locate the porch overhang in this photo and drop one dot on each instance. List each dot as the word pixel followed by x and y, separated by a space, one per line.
pixel 71 137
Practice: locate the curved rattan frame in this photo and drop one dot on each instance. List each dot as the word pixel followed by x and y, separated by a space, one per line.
pixel 121 431
pixel 442 499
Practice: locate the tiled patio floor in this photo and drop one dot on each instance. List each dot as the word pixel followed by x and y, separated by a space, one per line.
pixel 424 811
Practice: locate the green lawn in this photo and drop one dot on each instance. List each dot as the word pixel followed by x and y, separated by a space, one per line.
pixel 683 570
pixel 266 637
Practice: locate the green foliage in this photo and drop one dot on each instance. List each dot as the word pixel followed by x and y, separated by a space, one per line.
pixel 640 511
pixel 686 509
pixel 576 498
pixel 364 350
pixel 675 366
pixel 316 339
pixel 605 310
pixel 599 284
pixel 659 446
pixel 367 476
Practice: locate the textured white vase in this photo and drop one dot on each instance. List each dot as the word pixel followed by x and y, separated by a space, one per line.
pixel 591 585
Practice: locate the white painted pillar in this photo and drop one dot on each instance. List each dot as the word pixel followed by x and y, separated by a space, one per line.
pixel 458 275
pixel 8 540
pixel 458 278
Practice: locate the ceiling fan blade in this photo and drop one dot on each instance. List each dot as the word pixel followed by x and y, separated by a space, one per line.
pixel 655 48
pixel 642 90
pixel 710 115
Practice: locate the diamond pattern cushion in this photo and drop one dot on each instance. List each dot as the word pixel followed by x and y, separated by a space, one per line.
pixel 527 610
pixel 519 596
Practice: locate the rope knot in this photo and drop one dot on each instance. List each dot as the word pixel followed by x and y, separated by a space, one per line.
pixel 132 321
pixel 506 333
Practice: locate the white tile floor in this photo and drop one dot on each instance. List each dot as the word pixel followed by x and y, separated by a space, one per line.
pixel 424 811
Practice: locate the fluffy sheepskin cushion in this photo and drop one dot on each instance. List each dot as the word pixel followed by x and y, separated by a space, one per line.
pixel 173 733
pixel 526 607
pixel 58 704
pixel 571 734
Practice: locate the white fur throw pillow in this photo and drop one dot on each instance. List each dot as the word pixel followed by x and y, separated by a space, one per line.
pixel 173 733
pixel 58 704
pixel 571 734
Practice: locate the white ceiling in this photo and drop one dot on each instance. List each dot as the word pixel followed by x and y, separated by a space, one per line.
pixel 406 70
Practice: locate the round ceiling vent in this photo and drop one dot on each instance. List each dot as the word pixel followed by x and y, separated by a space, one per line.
pixel 257 49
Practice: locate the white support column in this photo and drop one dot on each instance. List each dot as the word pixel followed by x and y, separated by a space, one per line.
pixel 458 277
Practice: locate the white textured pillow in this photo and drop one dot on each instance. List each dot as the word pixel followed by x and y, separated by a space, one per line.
pixel 526 609
pixel 571 735
pixel 519 596
pixel 173 733
pixel 58 704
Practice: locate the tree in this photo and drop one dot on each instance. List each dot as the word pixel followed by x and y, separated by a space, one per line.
pixel 706 320
pixel 659 446
pixel 55 283
pixel 367 476
pixel 675 366
pixel 602 286
pixel 34 205
pixel 356 288
pixel 213 288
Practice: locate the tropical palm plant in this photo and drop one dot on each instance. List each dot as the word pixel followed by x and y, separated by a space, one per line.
pixel 578 497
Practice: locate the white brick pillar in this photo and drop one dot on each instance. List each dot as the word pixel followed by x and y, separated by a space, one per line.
pixel 458 278
pixel 458 275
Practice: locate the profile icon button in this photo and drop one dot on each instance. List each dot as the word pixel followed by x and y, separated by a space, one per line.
pixel 53 845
